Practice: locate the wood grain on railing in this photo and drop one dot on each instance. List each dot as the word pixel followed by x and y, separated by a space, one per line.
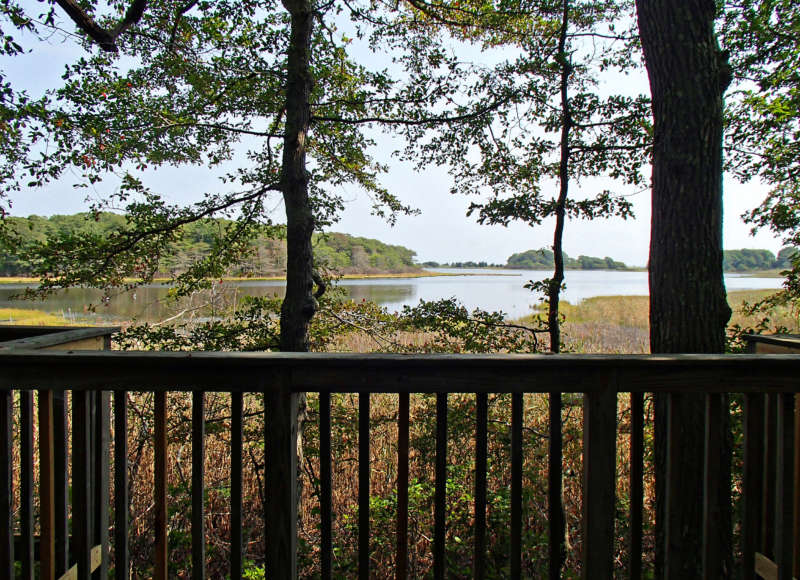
pixel 61 469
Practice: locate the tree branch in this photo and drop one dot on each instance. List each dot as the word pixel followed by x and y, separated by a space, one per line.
pixel 107 40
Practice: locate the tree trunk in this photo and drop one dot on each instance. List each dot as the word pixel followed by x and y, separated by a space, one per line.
pixel 299 304
pixel 688 308
pixel 555 484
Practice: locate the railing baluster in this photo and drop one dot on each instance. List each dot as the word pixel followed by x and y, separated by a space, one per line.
pixel 237 410
pixel 481 445
pixel 784 486
pixel 6 485
pixel 599 481
pixel 363 485
pixel 26 482
pixel 440 494
pixel 768 514
pixel 160 484
pixel 796 491
pixel 61 482
pixel 516 485
pixel 326 481
pixel 713 528
pixel 403 417
pixel 281 407
pixel 121 491
pixel 198 485
pixel 102 485
pixel 753 494
pixel 81 486
pixel 47 507
pixel 636 484
pixel 555 507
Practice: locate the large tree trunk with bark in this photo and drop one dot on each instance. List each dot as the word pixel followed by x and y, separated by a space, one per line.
pixel 688 308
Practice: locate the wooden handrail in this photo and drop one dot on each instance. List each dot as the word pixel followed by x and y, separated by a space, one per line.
pixel 342 372
pixel 280 376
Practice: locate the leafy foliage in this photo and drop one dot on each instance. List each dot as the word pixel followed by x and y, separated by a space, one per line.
pixel 193 243
pixel 543 259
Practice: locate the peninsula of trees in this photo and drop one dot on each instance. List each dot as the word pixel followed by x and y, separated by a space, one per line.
pixel 267 256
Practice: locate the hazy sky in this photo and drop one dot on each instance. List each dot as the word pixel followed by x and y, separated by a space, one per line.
pixel 442 232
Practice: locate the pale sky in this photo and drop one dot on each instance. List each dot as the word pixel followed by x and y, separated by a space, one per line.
pixel 442 232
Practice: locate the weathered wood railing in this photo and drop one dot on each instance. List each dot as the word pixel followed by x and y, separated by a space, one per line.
pixel 768 382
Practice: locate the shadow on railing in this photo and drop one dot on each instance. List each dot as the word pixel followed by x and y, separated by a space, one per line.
pixel 769 384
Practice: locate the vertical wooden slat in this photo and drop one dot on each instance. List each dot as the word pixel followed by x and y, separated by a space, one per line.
pixel 363 485
pixel 61 482
pixel 768 505
pixel 81 487
pixel 555 507
pixel 326 483
pixel 440 494
pixel 281 407
pixel 237 410
pixel 599 481
pixel 6 485
pixel 636 484
pixel 753 483
pixel 403 416
pixel 160 484
pixel 516 485
pixel 713 557
pixel 784 487
pixel 102 488
pixel 26 483
pixel 796 492
pixel 121 491
pixel 47 484
pixel 481 447
pixel 198 485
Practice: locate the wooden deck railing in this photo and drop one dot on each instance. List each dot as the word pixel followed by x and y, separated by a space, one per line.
pixel 769 384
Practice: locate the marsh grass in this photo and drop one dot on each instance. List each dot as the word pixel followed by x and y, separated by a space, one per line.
pixel 23 316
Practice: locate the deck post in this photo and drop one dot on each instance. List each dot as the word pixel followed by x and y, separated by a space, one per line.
pixel 281 462
pixel 599 480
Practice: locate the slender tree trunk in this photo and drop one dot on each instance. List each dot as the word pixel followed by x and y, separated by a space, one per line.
pixel 555 495
pixel 299 304
pixel 688 308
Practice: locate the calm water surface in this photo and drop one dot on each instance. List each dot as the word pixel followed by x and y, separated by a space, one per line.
pixel 487 289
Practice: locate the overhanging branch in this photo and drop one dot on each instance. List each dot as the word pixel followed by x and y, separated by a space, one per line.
pixel 106 39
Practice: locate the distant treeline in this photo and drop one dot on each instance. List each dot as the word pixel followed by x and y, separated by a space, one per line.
pixel 542 259
pixel 344 253
pixel 748 260
pixel 744 260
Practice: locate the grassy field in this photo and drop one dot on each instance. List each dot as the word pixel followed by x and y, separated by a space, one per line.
pixel 24 316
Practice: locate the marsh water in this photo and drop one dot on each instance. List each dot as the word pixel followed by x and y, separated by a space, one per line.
pixel 487 289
